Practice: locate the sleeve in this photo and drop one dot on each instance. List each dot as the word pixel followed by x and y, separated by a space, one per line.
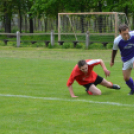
pixel 116 42
pixel 71 79
pixel 131 33
pixel 94 62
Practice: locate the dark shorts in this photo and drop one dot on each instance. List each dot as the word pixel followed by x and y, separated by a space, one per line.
pixel 97 81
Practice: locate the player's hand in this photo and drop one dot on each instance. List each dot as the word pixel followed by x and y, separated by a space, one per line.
pixel 111 64
pixel 107 72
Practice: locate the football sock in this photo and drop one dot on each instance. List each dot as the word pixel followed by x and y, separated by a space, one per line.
pixel 130 83
pixel 89 92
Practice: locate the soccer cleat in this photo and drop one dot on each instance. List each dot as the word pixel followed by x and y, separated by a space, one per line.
pixel 131 92
pixel 89 92
pixel 117 87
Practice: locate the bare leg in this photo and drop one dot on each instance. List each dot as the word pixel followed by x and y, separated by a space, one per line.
pixel 94 90
pixel 126 74
pixel 110 84
pixel 106 83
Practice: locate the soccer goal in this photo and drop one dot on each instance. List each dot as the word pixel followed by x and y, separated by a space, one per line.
pixel 99 24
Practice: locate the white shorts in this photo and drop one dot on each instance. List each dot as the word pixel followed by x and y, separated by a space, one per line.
pixel 128 64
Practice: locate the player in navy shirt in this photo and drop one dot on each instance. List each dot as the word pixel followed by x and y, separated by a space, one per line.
pixel 125 42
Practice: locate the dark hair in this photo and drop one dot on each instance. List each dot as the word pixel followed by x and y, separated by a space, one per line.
pixel 123 27
pixel 81 63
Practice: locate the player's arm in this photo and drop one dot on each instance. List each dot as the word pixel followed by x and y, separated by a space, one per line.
pixel 114 52
pixel 99 61
pixel 107 72
pixel 70 82
pixel 71 91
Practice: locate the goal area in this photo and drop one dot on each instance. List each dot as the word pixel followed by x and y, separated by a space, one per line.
pixel 103 25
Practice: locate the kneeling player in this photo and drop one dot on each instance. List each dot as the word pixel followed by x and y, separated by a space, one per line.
pixel 83 73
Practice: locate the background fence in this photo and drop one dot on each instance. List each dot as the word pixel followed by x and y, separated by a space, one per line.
pixel 18 38
pixel 87 28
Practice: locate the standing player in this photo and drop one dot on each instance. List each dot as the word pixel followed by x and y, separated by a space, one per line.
pixel 83 73
pixel 125 42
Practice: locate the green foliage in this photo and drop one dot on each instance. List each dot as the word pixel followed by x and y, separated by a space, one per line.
pixel 35 8
pixel 102 38
pixel 79 46
pixel 3 37
pixel 2 43
pixel 2 30
pixel 66 45
pixel 15 29
pixel 96 46
pixel 109 45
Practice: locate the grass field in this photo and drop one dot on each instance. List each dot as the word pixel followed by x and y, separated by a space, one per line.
pixel 35 100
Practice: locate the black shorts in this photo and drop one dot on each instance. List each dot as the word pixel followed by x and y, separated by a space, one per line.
pixel 97 81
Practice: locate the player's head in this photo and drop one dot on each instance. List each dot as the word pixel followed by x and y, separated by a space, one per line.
pixel 82 64
pixel 124 31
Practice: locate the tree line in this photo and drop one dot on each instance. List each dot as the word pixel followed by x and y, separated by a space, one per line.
pixel 51 8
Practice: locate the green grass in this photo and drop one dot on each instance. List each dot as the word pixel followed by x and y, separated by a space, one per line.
pixel 35 100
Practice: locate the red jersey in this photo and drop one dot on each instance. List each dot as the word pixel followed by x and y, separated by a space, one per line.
pixel 81 77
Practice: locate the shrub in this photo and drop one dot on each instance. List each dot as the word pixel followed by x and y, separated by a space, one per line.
pixel 2 43
pixel 78 46
pixel 66 45
pixel 96 46
pixel 109 45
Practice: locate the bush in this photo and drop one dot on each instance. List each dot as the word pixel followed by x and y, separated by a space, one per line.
pixel 2 43
pixel 78 46
pixel 66 45
pixel 109 45
pixel 96 46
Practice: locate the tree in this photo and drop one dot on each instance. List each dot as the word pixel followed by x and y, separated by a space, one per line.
pixel 6 16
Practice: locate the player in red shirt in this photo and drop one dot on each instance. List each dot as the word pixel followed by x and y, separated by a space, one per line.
pixel 83 73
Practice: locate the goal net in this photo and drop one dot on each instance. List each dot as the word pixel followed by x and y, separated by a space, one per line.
pixel 104 25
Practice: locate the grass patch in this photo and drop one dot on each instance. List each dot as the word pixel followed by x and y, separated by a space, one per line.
pixel 39 101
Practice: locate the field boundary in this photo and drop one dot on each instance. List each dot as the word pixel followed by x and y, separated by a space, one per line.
pixel 68 100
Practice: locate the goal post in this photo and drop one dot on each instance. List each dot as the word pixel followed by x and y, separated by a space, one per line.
pixel 77 24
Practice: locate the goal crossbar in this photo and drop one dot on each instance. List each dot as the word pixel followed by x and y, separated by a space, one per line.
pixel 85 13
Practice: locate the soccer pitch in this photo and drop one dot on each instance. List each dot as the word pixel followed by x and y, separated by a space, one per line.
pixel 35 100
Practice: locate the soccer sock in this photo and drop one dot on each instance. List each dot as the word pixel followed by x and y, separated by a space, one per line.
pixel 130 83
pixel 89 92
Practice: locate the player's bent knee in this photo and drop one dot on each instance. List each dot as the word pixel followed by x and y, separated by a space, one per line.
pixel 97 93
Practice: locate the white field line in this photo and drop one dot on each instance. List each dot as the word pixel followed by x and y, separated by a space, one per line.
pixel 70 100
